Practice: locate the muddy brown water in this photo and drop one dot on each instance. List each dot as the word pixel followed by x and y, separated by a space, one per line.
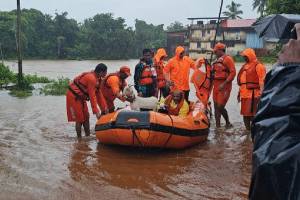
pixel 40 157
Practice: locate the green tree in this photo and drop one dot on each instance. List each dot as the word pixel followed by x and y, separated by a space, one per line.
pixel 233 11
pixel 39 40
pixel 66 33
pixel 149 36
pixel 102 36
pixel 283 6
pixel 107 38
pixel 176 26
pixel 7 34
pixel 260 5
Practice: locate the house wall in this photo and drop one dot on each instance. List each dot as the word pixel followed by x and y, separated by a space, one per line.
pixel 235 39
pixel 253 41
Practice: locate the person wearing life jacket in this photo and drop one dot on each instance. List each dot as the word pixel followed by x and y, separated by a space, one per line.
pixel 145 75
pixel 175 104
pixel 202 81
pixel 223 75
pixel 81 90
pixel 250 79
pixel 177 71
pixel 112 87
pixel 159 63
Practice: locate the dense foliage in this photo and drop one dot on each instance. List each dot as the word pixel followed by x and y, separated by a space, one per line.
pixel 100 37
pixel 233 11
pixel 277 6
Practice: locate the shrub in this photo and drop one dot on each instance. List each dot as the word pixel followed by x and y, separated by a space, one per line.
pixel 57 88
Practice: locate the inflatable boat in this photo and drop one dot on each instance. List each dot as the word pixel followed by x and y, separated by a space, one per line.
pixel 151 129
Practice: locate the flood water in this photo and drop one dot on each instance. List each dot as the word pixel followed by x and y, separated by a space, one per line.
pixel 41 158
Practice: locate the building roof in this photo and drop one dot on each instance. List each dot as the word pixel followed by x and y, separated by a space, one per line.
pixel 237 23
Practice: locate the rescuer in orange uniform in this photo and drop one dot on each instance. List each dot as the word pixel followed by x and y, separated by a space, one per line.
pixel 112 87
pixel 177 71
pixel 251 81
pixel 159 64
pixel 223 75
pixel 82 89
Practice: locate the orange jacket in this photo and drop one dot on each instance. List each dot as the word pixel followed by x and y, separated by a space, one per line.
pixel 179 70
pixel 173 111
pixel 252 66
pixel 146 76
pixel 224 68
pixel 110 87
pixel 159 66
pixel 202 83
pixel 85 86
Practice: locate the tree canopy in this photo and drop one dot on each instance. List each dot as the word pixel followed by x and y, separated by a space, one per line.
pixel 102 36
pixel 233 11
pixel 276 6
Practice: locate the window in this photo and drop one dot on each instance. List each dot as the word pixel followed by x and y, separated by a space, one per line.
pixel 230 44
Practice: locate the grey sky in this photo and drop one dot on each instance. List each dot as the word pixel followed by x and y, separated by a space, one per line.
pixel 152 11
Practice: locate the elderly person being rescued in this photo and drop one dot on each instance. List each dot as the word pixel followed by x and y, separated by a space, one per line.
pixel 175 104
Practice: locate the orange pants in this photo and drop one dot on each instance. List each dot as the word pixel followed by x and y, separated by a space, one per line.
pixel 246 104
pixel 77 110
pixel 221 97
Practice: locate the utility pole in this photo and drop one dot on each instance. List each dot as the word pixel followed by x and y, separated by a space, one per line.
pixel 217 29
pixel 19 49
pixel 1 54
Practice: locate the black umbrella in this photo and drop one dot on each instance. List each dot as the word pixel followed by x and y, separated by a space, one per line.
pixel 277 26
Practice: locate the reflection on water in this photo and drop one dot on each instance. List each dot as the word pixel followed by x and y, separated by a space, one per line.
pixel 40 157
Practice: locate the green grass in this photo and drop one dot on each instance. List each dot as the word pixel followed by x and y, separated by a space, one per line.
pixel 37 79
pixel 20 93
pixel 56 88
pixel 22 89
pixel 6 76
pixel 265 59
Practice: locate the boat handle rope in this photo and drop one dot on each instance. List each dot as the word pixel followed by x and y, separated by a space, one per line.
pixel 134 135
pixel 171 133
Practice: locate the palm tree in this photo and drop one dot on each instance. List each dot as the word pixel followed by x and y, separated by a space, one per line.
pixel 233 11
pixel 260 5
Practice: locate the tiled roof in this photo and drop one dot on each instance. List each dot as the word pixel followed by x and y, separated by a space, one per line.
pixel 237 23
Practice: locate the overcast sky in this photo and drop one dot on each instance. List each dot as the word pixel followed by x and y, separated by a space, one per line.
pixel 152 11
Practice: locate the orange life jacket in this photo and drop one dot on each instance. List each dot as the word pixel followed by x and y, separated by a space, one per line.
pixel 252 79
pixel 173 111
pixel 76 85
pixel 146 76
pixel 220 70
pixel 161 81
pixel 121 85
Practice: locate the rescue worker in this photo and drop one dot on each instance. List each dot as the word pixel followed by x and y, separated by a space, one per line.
pixel 159 63
pixel 251 81
pixel 112 87
pixel 145 75
pixel 177 72
pixel 175 104
pixel 223 75
pixel 81 90
pixel 202 81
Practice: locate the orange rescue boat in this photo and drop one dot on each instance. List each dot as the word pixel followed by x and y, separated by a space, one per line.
pixel 154 130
